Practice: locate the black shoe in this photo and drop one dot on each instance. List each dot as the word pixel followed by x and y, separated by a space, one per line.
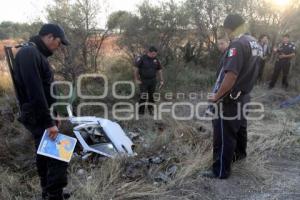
pixel 208 174
pixel 151 112
pixel 65 195
pixel 141 112
pixel 44 195
pixel 270 87
pixel 285 87
pixel 237 157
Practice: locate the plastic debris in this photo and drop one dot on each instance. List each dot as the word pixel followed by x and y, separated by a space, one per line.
pixel 166 176
pixel 290 102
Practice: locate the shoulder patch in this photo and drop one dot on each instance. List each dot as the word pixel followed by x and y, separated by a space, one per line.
pixel 232 52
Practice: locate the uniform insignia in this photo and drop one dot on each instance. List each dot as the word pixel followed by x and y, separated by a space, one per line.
pixel 232 52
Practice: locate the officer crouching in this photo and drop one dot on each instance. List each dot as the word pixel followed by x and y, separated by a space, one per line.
pixel 147 67
pixel 235 81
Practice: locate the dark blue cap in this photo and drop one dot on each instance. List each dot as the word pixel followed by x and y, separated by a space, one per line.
pixel 152 49
pixel 233 21
pixel 56 31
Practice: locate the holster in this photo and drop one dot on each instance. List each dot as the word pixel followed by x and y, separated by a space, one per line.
pixel 233 97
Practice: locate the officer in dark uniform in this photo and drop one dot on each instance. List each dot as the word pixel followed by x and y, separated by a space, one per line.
pixel 236 79
pixel 285 52
pixel 34 76
pixel 145 74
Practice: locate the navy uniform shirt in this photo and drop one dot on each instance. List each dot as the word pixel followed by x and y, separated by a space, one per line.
pixel 147 66
pixel 242 58
pixel 286 49
pixel 34 77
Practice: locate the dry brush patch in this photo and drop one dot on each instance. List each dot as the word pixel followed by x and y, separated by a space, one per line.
pixel 5 79
pixel 186 145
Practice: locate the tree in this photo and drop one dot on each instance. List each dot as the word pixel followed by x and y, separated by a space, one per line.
pixel 12 30
pixel 161 26
pixel 118 21
pixel 79 19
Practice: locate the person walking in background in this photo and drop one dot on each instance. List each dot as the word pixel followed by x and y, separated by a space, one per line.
pixel 285 52
pixel 34 77
pixel 264 43
pixel 147 67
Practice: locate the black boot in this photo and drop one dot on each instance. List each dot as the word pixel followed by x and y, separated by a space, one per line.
pixel 208 174
pixel 44 195
pixel 238 157
pixel 59 195
pixel 65 195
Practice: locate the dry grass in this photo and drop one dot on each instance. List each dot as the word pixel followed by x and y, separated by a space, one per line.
pixel 182 144
pixel 8 42
pixel 5 80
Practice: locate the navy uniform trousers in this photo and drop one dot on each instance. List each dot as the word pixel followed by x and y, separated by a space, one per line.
pixel 283 66
pixel 52 172
pixel 147 90
pixel 229 137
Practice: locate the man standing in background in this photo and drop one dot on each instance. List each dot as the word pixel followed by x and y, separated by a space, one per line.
pixel 147 67
pixel 285 52
pixel 34 77
pixel 223 44
pixel 264 43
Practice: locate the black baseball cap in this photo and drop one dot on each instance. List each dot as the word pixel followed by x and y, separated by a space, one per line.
pixel 153 49
pixel 232 21
pixel 56 31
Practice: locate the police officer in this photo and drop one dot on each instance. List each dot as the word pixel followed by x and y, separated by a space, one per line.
pixel 145 74
pixel 231 92
pixel 285 52
pixel 34 77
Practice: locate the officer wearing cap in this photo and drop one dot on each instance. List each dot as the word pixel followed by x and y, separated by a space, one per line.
pixel 145 74
pixel 34 77
pixel 285 52
pixel 235 81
